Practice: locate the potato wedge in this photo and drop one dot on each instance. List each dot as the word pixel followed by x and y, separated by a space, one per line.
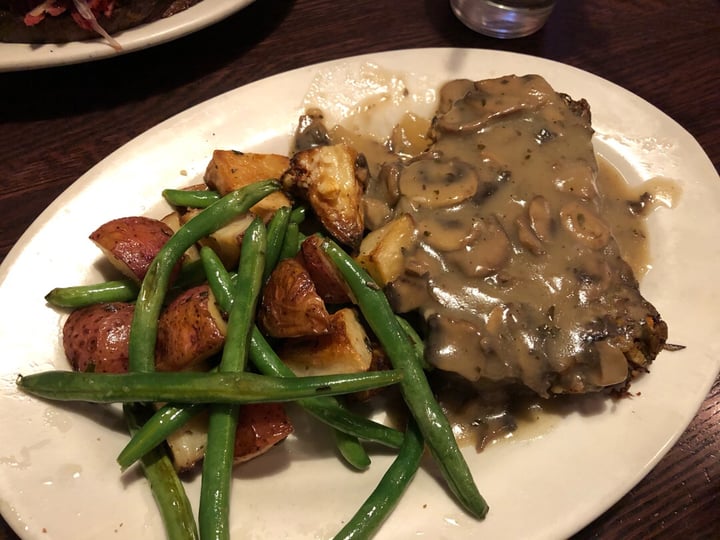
pixel 225 241
pixel 345 348
pixel 187 444
pixel 329 284
pixel 328 177
pixel 230 170
pixel 95 338
pixel 382 251
pixel 191 329
pixel 173 221
pixel 131 243
pixel 290 306
pixel 260 427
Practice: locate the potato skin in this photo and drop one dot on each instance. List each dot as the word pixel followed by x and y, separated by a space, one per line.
pixel 260 427
pixel 190 330
pixel 290 305
pixel 95 338
pixel 131 243
pixel 329 283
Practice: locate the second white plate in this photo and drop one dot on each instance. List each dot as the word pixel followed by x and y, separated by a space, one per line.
pixel 24 56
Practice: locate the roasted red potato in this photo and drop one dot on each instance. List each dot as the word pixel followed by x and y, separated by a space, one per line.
pixel 328 177
pixel 131 243
pixel 329 284
pixel 95 338
pixel 382 252
pixel 187 444
pixel 191 329
pixel 260 427
pixel 225 241
pixel 290 306
pixel 345 348
pixel 230 170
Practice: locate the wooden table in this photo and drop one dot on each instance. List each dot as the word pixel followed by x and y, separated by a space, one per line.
pixel 59 122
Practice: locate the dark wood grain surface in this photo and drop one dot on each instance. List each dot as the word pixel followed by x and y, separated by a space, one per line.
pixel 57 123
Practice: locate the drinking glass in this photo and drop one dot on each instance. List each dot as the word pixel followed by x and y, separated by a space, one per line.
pixel 503 18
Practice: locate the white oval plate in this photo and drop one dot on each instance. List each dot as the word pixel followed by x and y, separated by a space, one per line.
pixel 25 56
pixel 58 478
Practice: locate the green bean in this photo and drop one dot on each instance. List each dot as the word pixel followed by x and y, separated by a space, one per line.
pixel 376 508
pixel 291 243
pixel 124 290
pixel 336 416
pixel 221 282
pixel 213 514
pixel 276 234
pixel 190 198
pixel 191 274
pixel 143 331
pixel 249 284
pixel 298 214
pixel 195 387
pixel 155 430
pixel 222 286
pixel 119 290
pixel 416 341
pixel 351 450
pixel 245 298
pixel 416 391
pixel 169 493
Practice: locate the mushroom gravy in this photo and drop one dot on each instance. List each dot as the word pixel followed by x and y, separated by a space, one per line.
pixel 519 265
pixel 514 269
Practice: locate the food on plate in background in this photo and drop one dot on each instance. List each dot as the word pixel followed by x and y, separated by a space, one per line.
pixel 61 21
